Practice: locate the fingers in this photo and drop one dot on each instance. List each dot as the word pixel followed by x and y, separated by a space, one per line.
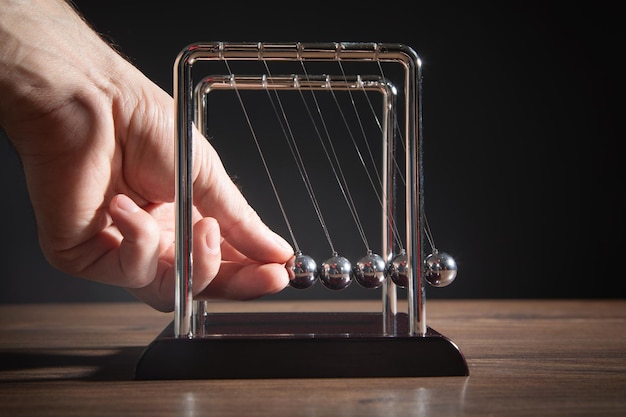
pixel 160 292
pixel 212 277
pixel 234 279
pixel 138 250
pixel 207 255
pixel 237 281
pixel 217 196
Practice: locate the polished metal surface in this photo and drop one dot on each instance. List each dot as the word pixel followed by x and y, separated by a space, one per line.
pixel 441 269
pixel 398 270
pixel 336 272
pixel 370 270
pixel 185 100
pixel 302 271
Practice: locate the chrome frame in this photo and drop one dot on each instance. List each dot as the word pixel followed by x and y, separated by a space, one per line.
pixel 186 99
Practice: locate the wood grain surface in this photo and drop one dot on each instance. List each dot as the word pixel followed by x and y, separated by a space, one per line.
pixel 526 358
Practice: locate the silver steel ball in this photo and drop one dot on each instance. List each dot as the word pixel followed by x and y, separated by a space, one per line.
pixel 398 270
pixel 369 271
pixel 440 269
pixel 302 271
pixel 335 272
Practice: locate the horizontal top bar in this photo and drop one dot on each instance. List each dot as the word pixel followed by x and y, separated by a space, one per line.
pixel 294 82
pixel 330 51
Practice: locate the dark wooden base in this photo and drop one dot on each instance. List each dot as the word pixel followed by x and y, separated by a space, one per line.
pixel 300 345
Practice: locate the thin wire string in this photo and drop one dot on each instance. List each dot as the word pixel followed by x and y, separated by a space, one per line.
pixel 340 177
pixel 338 172
pixel 427 230
pixel 350 201
pixel 295 151
pixel 392 222
pixel 363 134
pixel 262 156
pixel 396 127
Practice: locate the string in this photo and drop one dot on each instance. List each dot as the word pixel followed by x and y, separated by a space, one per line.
pixel 364 135
pixel 396 126
pixel 295 152
pixel 427 230
pixel 349 195
pixel 394 227
pixel 300 164
pixel 339 177
pixel 262 156
pixel 429 235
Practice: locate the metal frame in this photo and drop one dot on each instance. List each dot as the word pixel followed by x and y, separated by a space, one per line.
pixel 186 96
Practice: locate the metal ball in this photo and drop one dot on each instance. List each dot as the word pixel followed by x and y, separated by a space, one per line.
pixel 335 272
pixel 440 269
pixel 302 271
pixel 369 271
pixel 398 270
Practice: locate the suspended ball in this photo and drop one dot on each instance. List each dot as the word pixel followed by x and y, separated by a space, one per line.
pixel 398 270
pixel 369 271
pixel 440 269
pixel 335 273
pixel 302 271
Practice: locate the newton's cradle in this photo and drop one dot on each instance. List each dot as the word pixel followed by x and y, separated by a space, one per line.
pixel 374 93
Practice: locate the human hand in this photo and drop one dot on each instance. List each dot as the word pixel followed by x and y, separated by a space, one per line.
pixel 96 139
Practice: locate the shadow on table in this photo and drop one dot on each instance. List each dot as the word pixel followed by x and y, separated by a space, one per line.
pixel 69 364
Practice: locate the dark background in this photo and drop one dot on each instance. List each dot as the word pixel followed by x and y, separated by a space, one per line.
pixel 520 124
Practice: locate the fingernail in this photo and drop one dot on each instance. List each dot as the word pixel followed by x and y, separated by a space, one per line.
pixel 282 242
pixel 213 242
pixel 126 204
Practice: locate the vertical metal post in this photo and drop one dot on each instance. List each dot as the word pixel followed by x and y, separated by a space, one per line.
pixel 183 94
pixel 414 195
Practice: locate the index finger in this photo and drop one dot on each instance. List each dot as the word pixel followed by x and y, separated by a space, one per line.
pixel 215 195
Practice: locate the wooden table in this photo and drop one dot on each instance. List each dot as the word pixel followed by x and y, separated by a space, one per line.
pixel 526 358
